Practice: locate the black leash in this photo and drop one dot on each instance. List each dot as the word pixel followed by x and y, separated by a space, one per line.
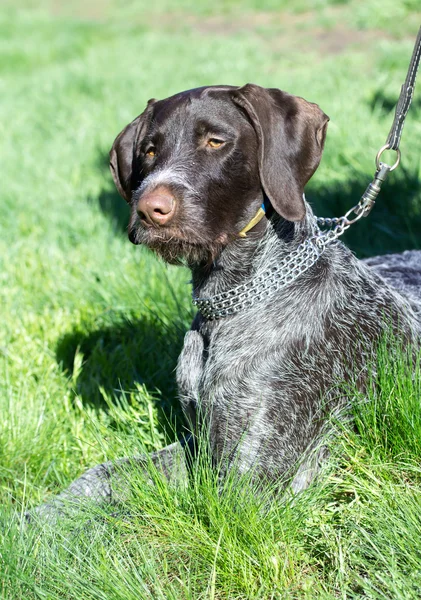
pixel 405 99
pixel 367 201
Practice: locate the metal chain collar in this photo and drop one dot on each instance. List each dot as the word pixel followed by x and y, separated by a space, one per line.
pixel 306 254
pixel 261 286
pixel 271 280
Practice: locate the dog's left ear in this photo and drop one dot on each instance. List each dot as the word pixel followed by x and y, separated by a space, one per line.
pixel 291 134
pixel 123 154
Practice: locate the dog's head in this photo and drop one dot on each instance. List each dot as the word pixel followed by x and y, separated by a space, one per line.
pixel 195 167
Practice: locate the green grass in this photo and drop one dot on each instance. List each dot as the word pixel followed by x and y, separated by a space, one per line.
pixel 91 326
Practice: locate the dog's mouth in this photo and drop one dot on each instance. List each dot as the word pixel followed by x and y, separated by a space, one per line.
pixel 178 245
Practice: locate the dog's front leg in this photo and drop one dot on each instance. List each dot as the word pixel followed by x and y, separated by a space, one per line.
pixel 189 374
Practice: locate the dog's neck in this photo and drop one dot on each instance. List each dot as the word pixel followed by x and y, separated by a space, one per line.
pixel 269 242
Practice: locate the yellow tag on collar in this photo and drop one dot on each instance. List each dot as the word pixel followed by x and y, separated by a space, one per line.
pixel 256 219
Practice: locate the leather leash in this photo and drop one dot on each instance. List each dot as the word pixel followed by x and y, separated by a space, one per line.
pixel 405 99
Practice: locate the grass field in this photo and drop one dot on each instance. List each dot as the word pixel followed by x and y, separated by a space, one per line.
pixel 91 326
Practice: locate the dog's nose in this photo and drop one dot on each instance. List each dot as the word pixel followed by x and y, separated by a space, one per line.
pixel 156 207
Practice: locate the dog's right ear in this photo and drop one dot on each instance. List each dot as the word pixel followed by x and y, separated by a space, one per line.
pixel 290 133
pixel 123 165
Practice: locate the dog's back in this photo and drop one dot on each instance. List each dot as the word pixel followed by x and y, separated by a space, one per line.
pixel 402 272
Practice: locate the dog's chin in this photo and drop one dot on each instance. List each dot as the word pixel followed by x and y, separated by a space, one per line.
pixel 177 247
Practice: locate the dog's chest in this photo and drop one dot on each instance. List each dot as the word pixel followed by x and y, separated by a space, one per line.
pixel 243 359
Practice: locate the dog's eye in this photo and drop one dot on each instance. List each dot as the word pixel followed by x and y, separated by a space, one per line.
pixel 215 143
pixel 151 152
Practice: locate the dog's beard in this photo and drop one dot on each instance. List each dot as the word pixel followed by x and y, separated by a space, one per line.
pixel 180 243
pixel 177 246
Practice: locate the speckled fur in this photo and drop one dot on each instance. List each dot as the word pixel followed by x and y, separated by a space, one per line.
pixel 267 377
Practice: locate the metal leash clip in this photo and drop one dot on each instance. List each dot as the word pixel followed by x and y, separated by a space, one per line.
pixel 364 206
pixel 368 199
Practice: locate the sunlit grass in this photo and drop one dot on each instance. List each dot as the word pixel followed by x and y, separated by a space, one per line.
pixel 355 532
pixel 91 326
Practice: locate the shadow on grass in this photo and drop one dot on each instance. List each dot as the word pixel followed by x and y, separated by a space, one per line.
pixel 116 357
pixel 109 200
pixel 395 221
pixel 113 206
pixel 387 103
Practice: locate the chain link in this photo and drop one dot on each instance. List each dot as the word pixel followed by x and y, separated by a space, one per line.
pixel 266 283
pixel 278 276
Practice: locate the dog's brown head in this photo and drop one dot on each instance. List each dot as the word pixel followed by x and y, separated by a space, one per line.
pixel 195 167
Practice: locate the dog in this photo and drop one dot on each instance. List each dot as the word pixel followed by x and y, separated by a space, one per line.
pixel 215 180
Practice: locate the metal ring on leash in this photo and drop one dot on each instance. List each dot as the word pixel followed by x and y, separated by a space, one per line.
pixel 355 219
pixel 380 152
